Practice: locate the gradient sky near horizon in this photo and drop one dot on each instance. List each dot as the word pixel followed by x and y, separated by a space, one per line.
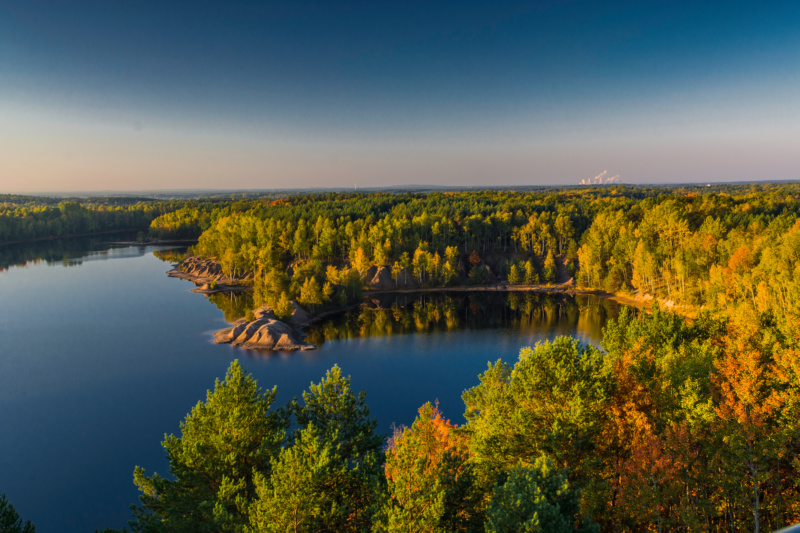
pixel 140 95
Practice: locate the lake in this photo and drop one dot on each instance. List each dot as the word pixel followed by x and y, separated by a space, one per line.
pixel 102 354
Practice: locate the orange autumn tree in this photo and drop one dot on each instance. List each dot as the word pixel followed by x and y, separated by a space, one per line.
pixel 787 374
pixel 431 484
pixel 652 445
pixel 653 469
pixel 751 438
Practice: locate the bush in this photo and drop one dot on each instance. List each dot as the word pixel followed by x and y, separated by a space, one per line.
pixel 479 275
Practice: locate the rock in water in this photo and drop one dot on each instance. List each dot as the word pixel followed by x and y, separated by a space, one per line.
pixel 264 333
pixel 204 270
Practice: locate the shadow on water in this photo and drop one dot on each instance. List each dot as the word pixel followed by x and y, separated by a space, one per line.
pixel 399 314
pixel 233 304
pixel 71 252
pixel 427 313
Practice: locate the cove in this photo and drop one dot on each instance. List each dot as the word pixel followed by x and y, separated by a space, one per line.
pixel 102 354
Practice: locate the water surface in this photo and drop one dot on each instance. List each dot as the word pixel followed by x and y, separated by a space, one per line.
pixel 102 354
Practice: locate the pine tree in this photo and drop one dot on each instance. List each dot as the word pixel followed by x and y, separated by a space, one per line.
pixel 224 440
pixel 431 483
pixel 308 488
pixel 514 275
pixel 284 307
pixel 310 293
pixel 337 422
pixel 10 522
pixel 535 499
pixel 531 276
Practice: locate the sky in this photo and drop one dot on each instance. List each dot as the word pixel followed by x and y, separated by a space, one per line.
pixel 140 95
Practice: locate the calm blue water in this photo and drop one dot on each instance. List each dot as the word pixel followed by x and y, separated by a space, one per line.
pixel 102 354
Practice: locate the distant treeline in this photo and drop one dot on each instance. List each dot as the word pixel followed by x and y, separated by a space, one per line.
pixel 716 247
pixel 24 218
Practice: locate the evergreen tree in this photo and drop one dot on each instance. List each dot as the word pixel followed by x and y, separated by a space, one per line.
pixel 284 307
pixel 10 522
pixel 551 402
pixel 223 442
pixel 431 482
pixel 550 267
pixel 479 275
pixel 514 276
pixel 531 276
pixel 308 488
pixel 310 293
pixel 535 499
pixel 337 422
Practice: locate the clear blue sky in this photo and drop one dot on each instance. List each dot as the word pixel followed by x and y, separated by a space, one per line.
pixel 134 95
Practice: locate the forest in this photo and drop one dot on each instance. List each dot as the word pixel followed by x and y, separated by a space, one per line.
pixel 31 218
pixel 697 248
pixel 667 426
pixel 677 421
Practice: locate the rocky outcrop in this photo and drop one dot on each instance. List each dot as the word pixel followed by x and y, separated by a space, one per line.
pixel 201 271
pixel 300 317
pixel 265 333
pixel 382 280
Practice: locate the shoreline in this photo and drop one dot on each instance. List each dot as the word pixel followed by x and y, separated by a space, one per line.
pixel 567 288
pixel 570 290
pixel 71 236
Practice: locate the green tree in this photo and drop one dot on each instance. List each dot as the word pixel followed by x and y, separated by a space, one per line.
pixel 531 276
pixel 396 269
pixel 514 276
pixel 312 488
pixel 337 422
pixel 534 499
pixel 310 293
pixel 431 482
pixel 10 521
pixel 224 440
pixel 551 403
pixel 284 308
pixel 550 267
pixel 331 405
pixel 479 275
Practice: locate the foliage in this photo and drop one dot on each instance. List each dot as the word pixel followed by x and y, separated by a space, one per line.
pixel 224 440
pixel 551 402
pixel 40 218
pixel 719 248
pixel 674 425
pixel 236 467
pixel 10 521
pixel 316 486
pixel 431 482
pixel 533 499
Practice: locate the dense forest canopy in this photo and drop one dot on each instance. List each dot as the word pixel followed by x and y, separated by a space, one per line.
pixel 702 247
pixel 668 426
pixel 672 424
pixel 28 218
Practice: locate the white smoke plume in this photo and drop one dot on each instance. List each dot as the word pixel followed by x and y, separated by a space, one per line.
pixel 601 179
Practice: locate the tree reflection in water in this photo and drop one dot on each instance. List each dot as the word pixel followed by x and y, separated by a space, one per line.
pixel 388 315
pixel 397 314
